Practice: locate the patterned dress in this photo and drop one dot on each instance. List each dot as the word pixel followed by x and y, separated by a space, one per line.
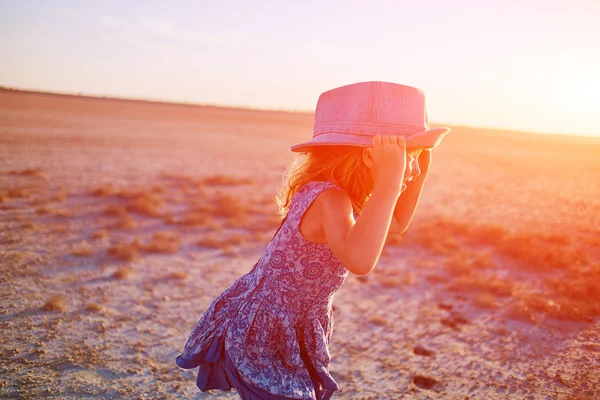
pixel 267 335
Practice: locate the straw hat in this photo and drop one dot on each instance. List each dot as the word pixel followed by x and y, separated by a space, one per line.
pixel 352 115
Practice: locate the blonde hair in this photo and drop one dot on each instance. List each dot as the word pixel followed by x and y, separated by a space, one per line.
pixel 341 165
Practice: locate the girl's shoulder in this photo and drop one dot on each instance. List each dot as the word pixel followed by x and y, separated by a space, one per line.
pixel 318 193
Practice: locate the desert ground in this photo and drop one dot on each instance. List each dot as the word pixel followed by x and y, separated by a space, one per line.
pixel 120 221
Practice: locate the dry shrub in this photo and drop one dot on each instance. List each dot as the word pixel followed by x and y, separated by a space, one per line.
pixel 38 201
pixel 436 278
pixel 28 171
pixel 59 197
pixel 145 203
pixel 433 238
pixel 100 234
pixel 210 242
pixel 235 239
pixel 447 232
pixel 83 249
pixel 116 210
pixel 227 205
pixel 520 311
pixel 18 192
pixel 485 300
pixel 178 275
pixel 169 219
pixel 238 221
pixel 29 225
pixel 123 272
pixel 37 172
pixel 198 218
pixel 62 213
pixel 103 191
pixel 577 294
pixel 478 282
pixel 537 252
pixel 229 252
pixel 225 180
pixel 592 240
pixel 465 261
pixel 56 303
pixel 486 234
pixel 200 205
pixel 126 222
pixel 163 242
pixel 53 211
pixel 59 229
pixel 158 189
pixel 126 251
pixel 259 237
pixel 396 281
pixel 94 307
pixel 379 320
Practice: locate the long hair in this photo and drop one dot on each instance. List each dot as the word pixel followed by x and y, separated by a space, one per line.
pixel 341 165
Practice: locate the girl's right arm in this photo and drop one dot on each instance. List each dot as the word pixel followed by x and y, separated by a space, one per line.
pixel 358 245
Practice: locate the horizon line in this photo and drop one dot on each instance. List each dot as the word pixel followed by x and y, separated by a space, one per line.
pixel 249 108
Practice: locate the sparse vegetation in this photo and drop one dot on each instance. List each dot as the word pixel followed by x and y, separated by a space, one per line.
pixel 210 242
pixel 478 282
pixel 225 180
pixel 163 242
pixel 100 234
pixel 94 307
pixel 540 252
pixel 82 249
pixel 229 252
pixel 56 303
pixel 199 218
pixel 145 203
pixel 18 192
pixel 178 275
pixel 227 205
pixel 36 172
pixel 126 222
pixel 115 210
pixel 123 272
pixel 103 191
pixel 126 251
pixel 53 211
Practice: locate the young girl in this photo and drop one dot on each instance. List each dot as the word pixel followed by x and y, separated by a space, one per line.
pixel 268 334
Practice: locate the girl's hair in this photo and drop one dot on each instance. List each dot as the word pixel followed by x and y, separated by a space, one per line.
pixel 341 165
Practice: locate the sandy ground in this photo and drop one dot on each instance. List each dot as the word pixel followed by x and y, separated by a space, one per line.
pixel 121 221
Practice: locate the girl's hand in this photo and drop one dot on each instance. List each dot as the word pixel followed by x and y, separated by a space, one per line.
pixel 425 161
pixel 389 161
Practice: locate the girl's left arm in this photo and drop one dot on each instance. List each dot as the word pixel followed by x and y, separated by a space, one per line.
pixel 408 200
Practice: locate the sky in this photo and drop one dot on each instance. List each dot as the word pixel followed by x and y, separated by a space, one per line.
pixel 531 65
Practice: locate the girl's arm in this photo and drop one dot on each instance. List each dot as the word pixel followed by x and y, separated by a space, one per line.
pixel 408 200
pixel 358 244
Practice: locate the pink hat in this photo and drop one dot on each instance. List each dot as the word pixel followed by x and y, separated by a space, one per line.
pixel 351 115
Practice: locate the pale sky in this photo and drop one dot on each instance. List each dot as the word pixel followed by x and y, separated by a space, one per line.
pixel 523 64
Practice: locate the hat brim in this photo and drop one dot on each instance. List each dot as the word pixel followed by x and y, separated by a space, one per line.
pixel 426 139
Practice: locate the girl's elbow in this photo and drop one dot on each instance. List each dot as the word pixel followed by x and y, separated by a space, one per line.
pixel 359 268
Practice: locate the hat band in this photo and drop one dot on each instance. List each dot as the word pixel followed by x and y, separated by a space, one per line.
pixel 366 129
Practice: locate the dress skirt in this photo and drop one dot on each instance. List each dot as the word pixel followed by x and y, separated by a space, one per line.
pixel 217 372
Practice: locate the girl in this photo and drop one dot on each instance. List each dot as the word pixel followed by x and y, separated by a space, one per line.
pixel 268 334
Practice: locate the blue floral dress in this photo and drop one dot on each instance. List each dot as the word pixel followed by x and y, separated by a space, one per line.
pixel 267 335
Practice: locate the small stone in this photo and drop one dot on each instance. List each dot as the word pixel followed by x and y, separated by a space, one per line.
pixel 422 351
pixel 424 382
